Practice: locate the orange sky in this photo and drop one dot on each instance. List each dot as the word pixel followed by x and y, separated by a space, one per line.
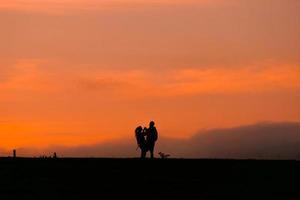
pixel 87 71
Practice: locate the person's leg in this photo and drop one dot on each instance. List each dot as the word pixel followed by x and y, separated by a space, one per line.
pixel 142 153
pixel 152 150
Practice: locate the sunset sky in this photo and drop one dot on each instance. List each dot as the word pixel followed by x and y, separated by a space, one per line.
pixel 83 72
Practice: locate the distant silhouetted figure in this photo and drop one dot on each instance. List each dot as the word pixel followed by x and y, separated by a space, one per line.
pixel 14 153
pixel 54 155
pixel 151 138
pixel 141 142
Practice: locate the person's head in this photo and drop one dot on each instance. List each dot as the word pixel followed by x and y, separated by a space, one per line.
pixel 138 129
pixel 152 123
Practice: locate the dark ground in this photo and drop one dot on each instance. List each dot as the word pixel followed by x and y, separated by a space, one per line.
pixel 148 179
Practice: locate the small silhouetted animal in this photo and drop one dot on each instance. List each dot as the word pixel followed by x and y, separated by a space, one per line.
pixel 163 155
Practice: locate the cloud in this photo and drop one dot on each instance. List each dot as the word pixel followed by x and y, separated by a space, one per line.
pixel 261 141
pixel 23 75
pixel 46 76
pixel 61 6
pixel 195 81
pixel 229 80
pixel 5 73
pixel 257 141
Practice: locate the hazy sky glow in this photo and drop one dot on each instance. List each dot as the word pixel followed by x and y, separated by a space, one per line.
pixel 80 72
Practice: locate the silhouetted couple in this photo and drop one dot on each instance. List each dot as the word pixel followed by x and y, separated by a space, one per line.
pixel 146 138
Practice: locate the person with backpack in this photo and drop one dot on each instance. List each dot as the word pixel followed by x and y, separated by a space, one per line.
pixel 151 138
pixel 141 142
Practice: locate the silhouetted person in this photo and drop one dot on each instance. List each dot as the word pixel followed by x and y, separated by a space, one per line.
pixel 151 138
pixel 141 142
pixel 14 153
pixel 54 155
